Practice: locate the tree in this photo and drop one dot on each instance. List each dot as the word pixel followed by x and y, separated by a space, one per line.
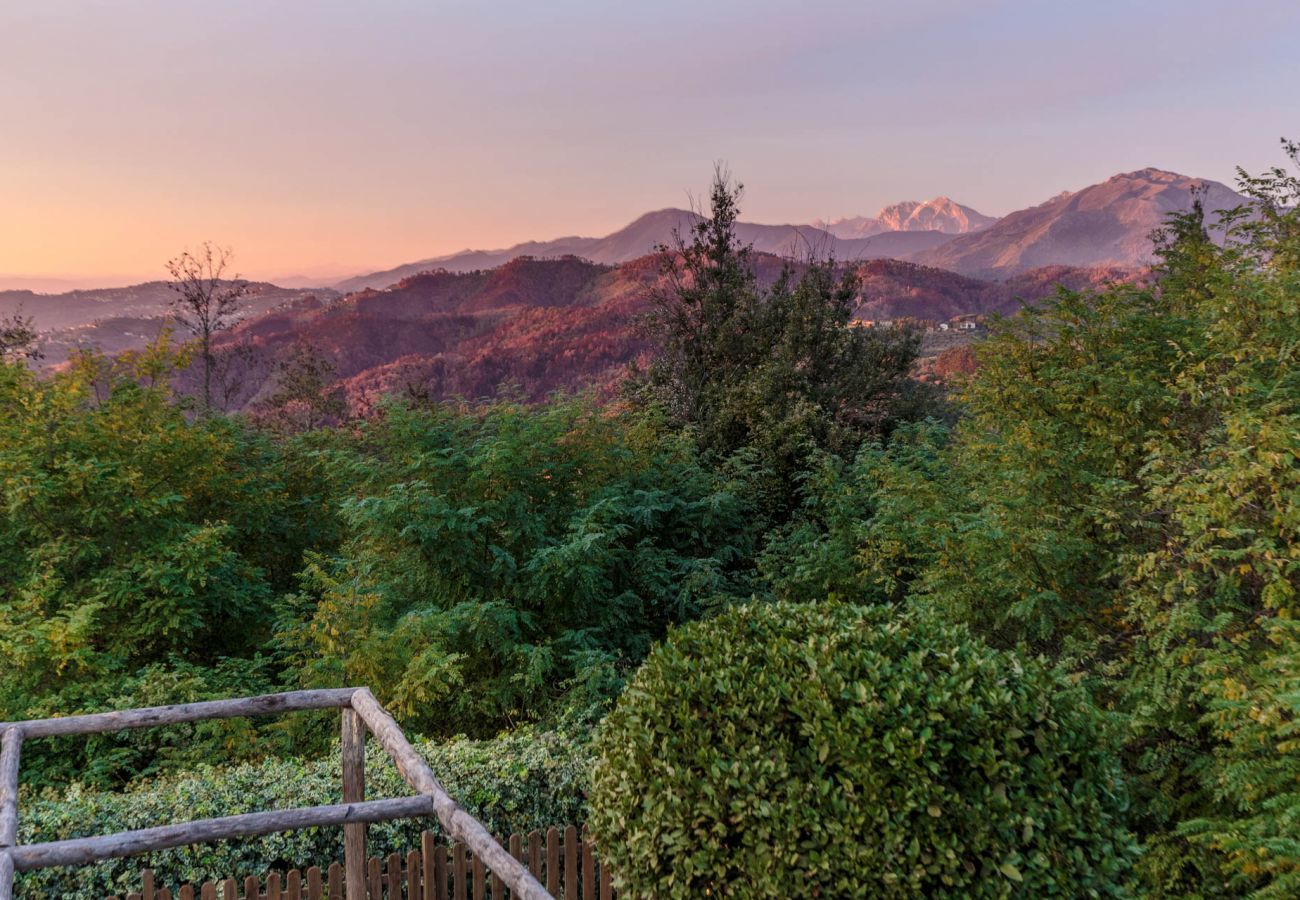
pixel 306 395
pixel 18 338
pixel 775 369
pixel 505 562
pixel 133 536
pixel 206 302
pixel 1121 495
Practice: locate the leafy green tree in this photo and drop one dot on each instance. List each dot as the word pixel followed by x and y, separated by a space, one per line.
pixel 1121 495
pixel 776 369
pixel 131 537
pixel 503 562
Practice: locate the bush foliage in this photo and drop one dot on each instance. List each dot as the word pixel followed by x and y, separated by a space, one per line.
pixel 500 559
pixel 796 750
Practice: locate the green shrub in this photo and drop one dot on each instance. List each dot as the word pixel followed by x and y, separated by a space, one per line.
pixel 797 750
pixel 516 782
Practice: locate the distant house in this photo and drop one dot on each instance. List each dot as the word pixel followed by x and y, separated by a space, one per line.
pixel 944 326
pixel 967 326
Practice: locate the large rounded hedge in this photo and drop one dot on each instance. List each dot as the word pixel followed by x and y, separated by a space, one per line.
pixel 786 750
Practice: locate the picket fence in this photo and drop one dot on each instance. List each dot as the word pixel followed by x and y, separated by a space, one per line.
pixel 563 861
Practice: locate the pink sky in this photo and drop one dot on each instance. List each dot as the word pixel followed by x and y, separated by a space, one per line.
pixel 328 137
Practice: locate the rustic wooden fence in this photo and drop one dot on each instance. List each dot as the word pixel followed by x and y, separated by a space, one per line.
pixel 563 861
pixel 360 714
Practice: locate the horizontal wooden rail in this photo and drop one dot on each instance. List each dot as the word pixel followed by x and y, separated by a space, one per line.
pixel 154 716
pixel 459 824
pixel 80 851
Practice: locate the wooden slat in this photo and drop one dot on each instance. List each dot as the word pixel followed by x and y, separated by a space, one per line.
pixel 335 882
pixel 354 791
pixel 535 854
pixel 498 886
pixel 164 894
pixel 208 891
pixel 314 891
pixel 570 863
pixel 147 887
pixel 553 861
pixel 588 872
pixel 133 896
pixel 293 885
pixel 229 889
pixel 414 889
pixel 606 883
pixel 394 876
pixel 273 886
pixel 431 890
pixel 186 892
pixel 458 891
pixel 85 850
pixel 478 878
pixel 374 879
pixel 149 717
pixel 252 889
pixel 440 870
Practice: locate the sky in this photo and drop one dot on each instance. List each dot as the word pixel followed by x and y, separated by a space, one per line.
pixel 329 137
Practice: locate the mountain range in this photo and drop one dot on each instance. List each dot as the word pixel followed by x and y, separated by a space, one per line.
pixel 1107 224
pixel 561 314
pixel 654 229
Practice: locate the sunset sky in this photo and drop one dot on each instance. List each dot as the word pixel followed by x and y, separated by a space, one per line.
pixel 329 137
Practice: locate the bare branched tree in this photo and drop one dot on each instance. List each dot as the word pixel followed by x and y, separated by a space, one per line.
pixel 18 338
pixel 206 301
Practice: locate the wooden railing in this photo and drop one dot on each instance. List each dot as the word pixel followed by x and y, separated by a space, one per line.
pixel 360 713
pixel 564 861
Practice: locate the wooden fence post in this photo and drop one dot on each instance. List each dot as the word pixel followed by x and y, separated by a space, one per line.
pixel 10 744
pixel 354 790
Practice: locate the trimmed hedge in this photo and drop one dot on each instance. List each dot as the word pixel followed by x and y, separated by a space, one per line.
pixel 786 750
pixel 520 781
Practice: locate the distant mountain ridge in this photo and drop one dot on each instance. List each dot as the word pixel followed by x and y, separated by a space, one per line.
pixel 1106 224
pixel 1103 225
pixel 645 233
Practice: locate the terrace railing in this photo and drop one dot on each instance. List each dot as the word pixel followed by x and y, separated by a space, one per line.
pixel 360 712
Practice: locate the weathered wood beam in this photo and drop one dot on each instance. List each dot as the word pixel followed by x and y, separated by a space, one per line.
pixel 458 823
pixel 80 851
pixel 267 704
